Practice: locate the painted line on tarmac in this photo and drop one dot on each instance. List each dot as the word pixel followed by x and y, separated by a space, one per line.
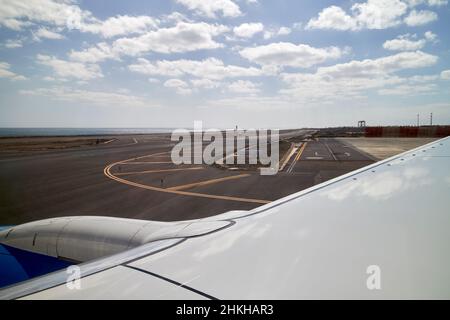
pixel 141 157
pixel 149 162
pixel 107 172
pixel 208 182
pixel 330 151
pixel 129 144
pixel 297 157
pixel 109 141
pixel 156 171
pixel 291 153
pixel 301 151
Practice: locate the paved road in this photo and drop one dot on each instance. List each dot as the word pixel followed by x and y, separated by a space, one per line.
pixel 326 158
pixel 68 182
pixel 133 177
pixel 333 149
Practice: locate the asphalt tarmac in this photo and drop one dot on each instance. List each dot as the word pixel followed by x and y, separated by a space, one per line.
pixel 133 177
pixel 319 160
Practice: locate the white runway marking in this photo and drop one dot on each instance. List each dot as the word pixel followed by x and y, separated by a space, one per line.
pixel 331 152
pixel 109 141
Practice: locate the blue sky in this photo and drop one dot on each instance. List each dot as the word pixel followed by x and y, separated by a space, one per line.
pixel 254 63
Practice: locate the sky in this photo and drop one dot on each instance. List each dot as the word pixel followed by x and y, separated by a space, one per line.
pixel 252 63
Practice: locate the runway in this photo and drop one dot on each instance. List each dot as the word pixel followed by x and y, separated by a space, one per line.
pixel 133 177
pixel 325 158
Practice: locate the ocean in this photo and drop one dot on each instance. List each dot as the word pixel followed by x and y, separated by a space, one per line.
pixel 49 132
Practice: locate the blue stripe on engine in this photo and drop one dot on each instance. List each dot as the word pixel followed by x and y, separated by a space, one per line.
pixel 19 265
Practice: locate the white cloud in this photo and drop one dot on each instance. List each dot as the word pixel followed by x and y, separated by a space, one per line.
pixel 47 34
pixel 6 73
pixel 210 8
pixel 18 14
pixel 175 83
pixel 181 86
pixel 101 98
pixel 50 79
pixel 282 31
pixel 333 18
pixel 68 69
pixel 248 30
pixel 289 54
pixel 14 24
pixel 244 87
pixel 423 78
pixel 373 14
pixel 120 26
pixel 12 44
pixel 349 80
pixel 445 75
pixel 183 37
pixel 175 17
pixel 153 80
pixel 430 36
pixel 408 89
pixel 408 42
pixel 297 25
pixel 415 85
pixel 389 64
pixel 379 14
pixel 102 51
pixel 404 42
pixel 205 83
pixel 210 68
pixel 419 18
pixel 124 90
pixel 66 14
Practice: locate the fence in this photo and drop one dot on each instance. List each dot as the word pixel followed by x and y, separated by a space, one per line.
pixel 408 131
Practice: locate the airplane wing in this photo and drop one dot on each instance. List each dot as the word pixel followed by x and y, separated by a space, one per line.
pixel 381 232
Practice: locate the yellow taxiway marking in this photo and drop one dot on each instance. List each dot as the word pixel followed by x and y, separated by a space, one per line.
pixel 148 162
pixel 291 152
pixel 107 173
pixel 300 151
pixel 156 171
pixel 141 157
pixel 297 156
pixel 207 182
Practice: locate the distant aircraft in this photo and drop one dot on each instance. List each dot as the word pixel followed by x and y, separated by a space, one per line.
pixel 380 232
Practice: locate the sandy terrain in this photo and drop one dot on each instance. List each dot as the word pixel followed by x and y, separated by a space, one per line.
pixel 382 148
